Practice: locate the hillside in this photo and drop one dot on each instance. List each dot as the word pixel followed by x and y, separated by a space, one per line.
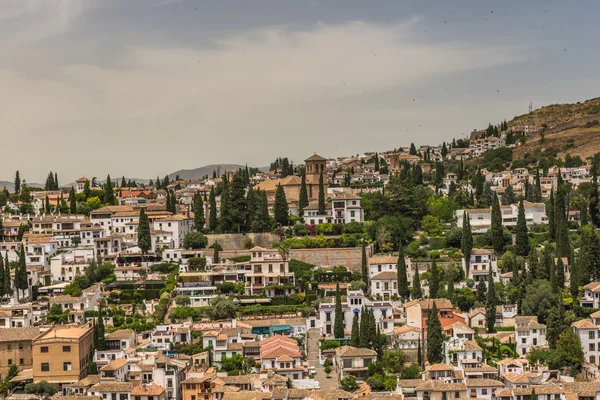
pixel 11 185
pixel 557 114
pixel 198 173
pixel 578 141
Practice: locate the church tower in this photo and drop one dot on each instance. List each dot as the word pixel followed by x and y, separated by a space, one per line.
pixel 315 164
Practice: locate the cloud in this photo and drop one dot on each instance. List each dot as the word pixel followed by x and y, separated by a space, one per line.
pixel 259 84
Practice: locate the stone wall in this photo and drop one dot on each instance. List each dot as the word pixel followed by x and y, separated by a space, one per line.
pixel 328 258
pixel 235 241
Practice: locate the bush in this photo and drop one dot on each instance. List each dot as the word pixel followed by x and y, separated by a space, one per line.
pixel 248 243
pixel 436 243
pixel 240 259
pixel 197 263
pixel 453 237
pixel 329 344
pixel 195 240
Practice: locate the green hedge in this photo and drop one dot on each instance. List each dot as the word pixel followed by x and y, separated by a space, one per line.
pixel 437 243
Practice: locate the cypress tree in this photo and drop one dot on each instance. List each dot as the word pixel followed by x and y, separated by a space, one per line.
pixel 594 198
pixel 321 195
pixel 237 198
pixel 451 284
pixel 559 274
pixel 261 221
pixel 109 196
pixel 403 291
pixel 198 213
pixel 338 322
pixel 364 327
pixel 281 208
pixel 490 304
pixel 373 337
pixel 72 201
pixel 481 291
pixel 7 283
pixel 419 354
pixel 101 340
pixel 2 276
pixel 21 273
pixel 355 337
pixel 212 221
pixel 252 207
pixel 466 240
pixel 417 293
pixel 435 339
pixel 583 216
pixel 522 240
pixel 497 231
pixel 303 201
pixel 17 183
pixel 434 281
pixel 550 215
pixel 376 161
pixel 413 150
pixel 225 218
pixel 364 267
pixel 144 240
pixel 47 205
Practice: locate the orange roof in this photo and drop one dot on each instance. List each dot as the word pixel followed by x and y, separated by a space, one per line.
pixel 148 390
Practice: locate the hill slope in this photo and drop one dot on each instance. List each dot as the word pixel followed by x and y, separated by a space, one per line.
pixel 557 114
pixel 198 173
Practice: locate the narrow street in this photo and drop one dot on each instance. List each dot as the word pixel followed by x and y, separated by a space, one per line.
pixel 313 361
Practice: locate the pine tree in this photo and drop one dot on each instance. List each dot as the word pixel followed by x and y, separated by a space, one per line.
pixel 144 240
pixel 281 208
pixel 72 201
pixel 321 195
pixel 17 183
pixel 490 304
pixel 466 240
pixel 417 292
pixel 434 281
pixel 355 337
pixel 303 201
pixel 212 221
pixel 403 291
pixel 435 338
pixel 497 231
pixel 522 240
pixel 364 268
pixel 237 198
pixel 364 327
pixel 338 322
pixel 198 213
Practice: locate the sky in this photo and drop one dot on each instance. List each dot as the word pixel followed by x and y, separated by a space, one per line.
pixel 146 87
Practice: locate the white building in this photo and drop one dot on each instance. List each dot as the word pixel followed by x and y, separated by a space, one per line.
pixel 529 333
pixel 589 334
pixel 66 266
pixel 383 276
pixel 81 184
pixel 267 269
pixel 457 350
pixel 591 295
pixel 352 304
pixel 405 338
pixel 178 225
pixel 39 250
pixel 481 261
pixel 341 209
pixel 480 146
pixel 481 218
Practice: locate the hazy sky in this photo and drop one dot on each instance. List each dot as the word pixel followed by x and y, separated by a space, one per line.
pixel 147 87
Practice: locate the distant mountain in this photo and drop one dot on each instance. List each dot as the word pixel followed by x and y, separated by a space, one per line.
pixel 199 173
pixel 11 185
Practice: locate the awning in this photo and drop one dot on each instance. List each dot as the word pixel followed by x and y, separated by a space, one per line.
pixel 264 330
pixel 281 328
pixel 25 375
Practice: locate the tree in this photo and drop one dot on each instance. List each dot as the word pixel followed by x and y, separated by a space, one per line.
pixel 216 249
pixel 466 240
pixel 497 231
pixel 413 150
pixel 198 213
pixel 338 322
pixel 435 338
pixel 303 200
pixel 109 196
pixel 144 240
pixel 21 282
pixel 99 337
pixel 417 292
pixel 327 370
pixel 225 217
pixel 223 308
pixel 364 268
pixel 237 199
pixel 73 289
pixel 509 197
pixel 212 221
pixel 522 240
pixel 570 352
pixel 481 291
pixel 550 215
pixel 434 280
pixel 419 354
pixel 42 388
pixel 321 195
pixel 17 183
pixel 355 336
pixel 364 327
pixel 403 290
pixel 539 300
pixel 72 201
pixel 594 197
pixel 450 279
pixel 7 283
pixel 534 395
pixel 195 240
pixel 490 304
pixel 2 274
pixel 349 383
pixel 557 325
pixel 281 209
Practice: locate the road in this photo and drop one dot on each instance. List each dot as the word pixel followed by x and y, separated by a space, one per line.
pixel 313 360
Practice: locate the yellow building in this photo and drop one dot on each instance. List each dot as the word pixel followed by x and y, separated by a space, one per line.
pixel 15 348
pixel 61 355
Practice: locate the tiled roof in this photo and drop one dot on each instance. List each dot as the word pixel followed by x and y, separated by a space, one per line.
pixel 18 334
pixel 440 367
pixel 584 324
pixel 437 385
pixel 147 390
pixel 120 334
pixel 114 365
pixel 349 351
pixel 471 345
pixel 110 387
pixel 483 383
pixel 385 276
pixel 383 260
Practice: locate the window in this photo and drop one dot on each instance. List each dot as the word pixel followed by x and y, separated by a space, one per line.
pixel 20 346
pixel 10 361
pixel 592 347
pixel 9 347
pixel 592 359
pixel 484 391
pixel 44 349
pixel 21 361
pixel 592 335
pixel 66 349
pixel 45 367
pixel 66 366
